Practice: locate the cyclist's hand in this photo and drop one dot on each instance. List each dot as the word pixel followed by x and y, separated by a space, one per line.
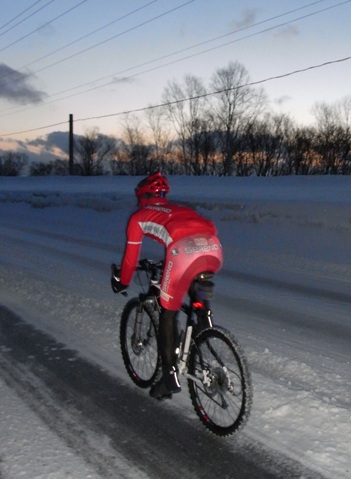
pixel 117 286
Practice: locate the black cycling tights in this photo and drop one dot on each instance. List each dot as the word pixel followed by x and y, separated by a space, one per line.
pixel 168 332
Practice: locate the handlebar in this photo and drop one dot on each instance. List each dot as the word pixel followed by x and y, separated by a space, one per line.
pixel 150 266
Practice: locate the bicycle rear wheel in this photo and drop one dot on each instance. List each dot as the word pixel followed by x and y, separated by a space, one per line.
pixel 221 392
pixel 139 346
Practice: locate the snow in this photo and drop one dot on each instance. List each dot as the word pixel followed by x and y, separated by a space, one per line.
pixel 40 453
pixel 284 292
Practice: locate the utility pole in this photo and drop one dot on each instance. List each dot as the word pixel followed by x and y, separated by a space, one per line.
pixel 70 161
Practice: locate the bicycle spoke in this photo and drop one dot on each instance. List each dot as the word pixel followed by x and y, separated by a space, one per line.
pixel 140 353
pixel 223 399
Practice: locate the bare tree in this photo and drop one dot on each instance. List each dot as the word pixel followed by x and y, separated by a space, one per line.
pixel 136 148
pixel 13 163
pixel 344 108
pixel 119 163
pixel 300 154
pixel 57 167
pixel 208 144
pixel 60 167
pixel 333 138
pixel 236 104
pixel 344 111
pixel 40 168
pixel 93 151
pixel 186 110
pixel 160 137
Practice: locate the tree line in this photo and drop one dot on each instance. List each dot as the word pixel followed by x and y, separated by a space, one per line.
pixel 231 132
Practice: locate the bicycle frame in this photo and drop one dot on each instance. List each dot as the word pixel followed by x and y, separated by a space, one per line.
pixel 195 307
pixel 200 292
pixel 208 356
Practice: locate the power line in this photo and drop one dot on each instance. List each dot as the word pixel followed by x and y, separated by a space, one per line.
pixel 29 16
pixel 192 47
pixel 113 37
pixel 81 38
pixel 204 95
pixel 42 26
pixel 123 17
pixel 157 17
pixel 19 15
pixel 217 92
pixel 103 41
pixel 160 58
pixel 198 53
pixel 195 46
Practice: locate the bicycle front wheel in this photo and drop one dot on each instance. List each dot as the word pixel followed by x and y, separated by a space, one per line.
pixel 139 344
pixel 221 389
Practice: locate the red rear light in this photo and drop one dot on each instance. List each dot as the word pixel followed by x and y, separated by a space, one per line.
pixel 198 305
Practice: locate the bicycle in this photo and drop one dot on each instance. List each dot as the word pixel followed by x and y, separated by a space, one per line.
pixel 208 356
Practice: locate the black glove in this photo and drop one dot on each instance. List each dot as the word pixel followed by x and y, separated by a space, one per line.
pixel 117 286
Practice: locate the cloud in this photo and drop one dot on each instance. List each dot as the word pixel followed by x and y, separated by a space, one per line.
pixel 247 19
pixel 42 149
pixel 288 32
pixel 282 100
pixel 15 86
pixel 124 79
pixel 57 140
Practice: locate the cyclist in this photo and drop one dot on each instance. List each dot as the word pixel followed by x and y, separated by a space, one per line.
pixel 191 247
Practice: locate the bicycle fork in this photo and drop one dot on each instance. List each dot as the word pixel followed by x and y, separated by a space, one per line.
pixel 148 306
pixel 137 327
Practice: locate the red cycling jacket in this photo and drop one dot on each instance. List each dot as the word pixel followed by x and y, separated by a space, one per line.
pixel 164 222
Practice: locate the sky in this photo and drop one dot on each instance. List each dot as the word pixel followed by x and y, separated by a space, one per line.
pixel 98 59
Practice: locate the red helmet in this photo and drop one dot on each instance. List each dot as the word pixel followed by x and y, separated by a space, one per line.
pixel 155 185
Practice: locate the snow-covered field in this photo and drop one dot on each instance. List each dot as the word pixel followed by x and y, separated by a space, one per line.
pixel 284 291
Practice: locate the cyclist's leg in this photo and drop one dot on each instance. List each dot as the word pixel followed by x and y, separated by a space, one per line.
pixel 171 299
pixel 183 261
pixel 168 337
pixel 169 382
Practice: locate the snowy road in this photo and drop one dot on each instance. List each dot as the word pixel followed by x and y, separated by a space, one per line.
pixel 284 293
pixel 102 421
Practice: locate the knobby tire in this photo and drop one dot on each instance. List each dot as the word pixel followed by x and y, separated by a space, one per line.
pixel 223 401
pixel 141 355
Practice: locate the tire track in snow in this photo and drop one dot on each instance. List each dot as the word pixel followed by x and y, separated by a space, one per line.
pixel 115 428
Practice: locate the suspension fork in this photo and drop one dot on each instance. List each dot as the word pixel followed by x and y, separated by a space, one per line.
pixel 138 321
pixel 153 310
pixel 146 304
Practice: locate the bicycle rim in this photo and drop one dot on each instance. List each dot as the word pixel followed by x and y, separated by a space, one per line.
pixel 222 393
pixel 140 354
